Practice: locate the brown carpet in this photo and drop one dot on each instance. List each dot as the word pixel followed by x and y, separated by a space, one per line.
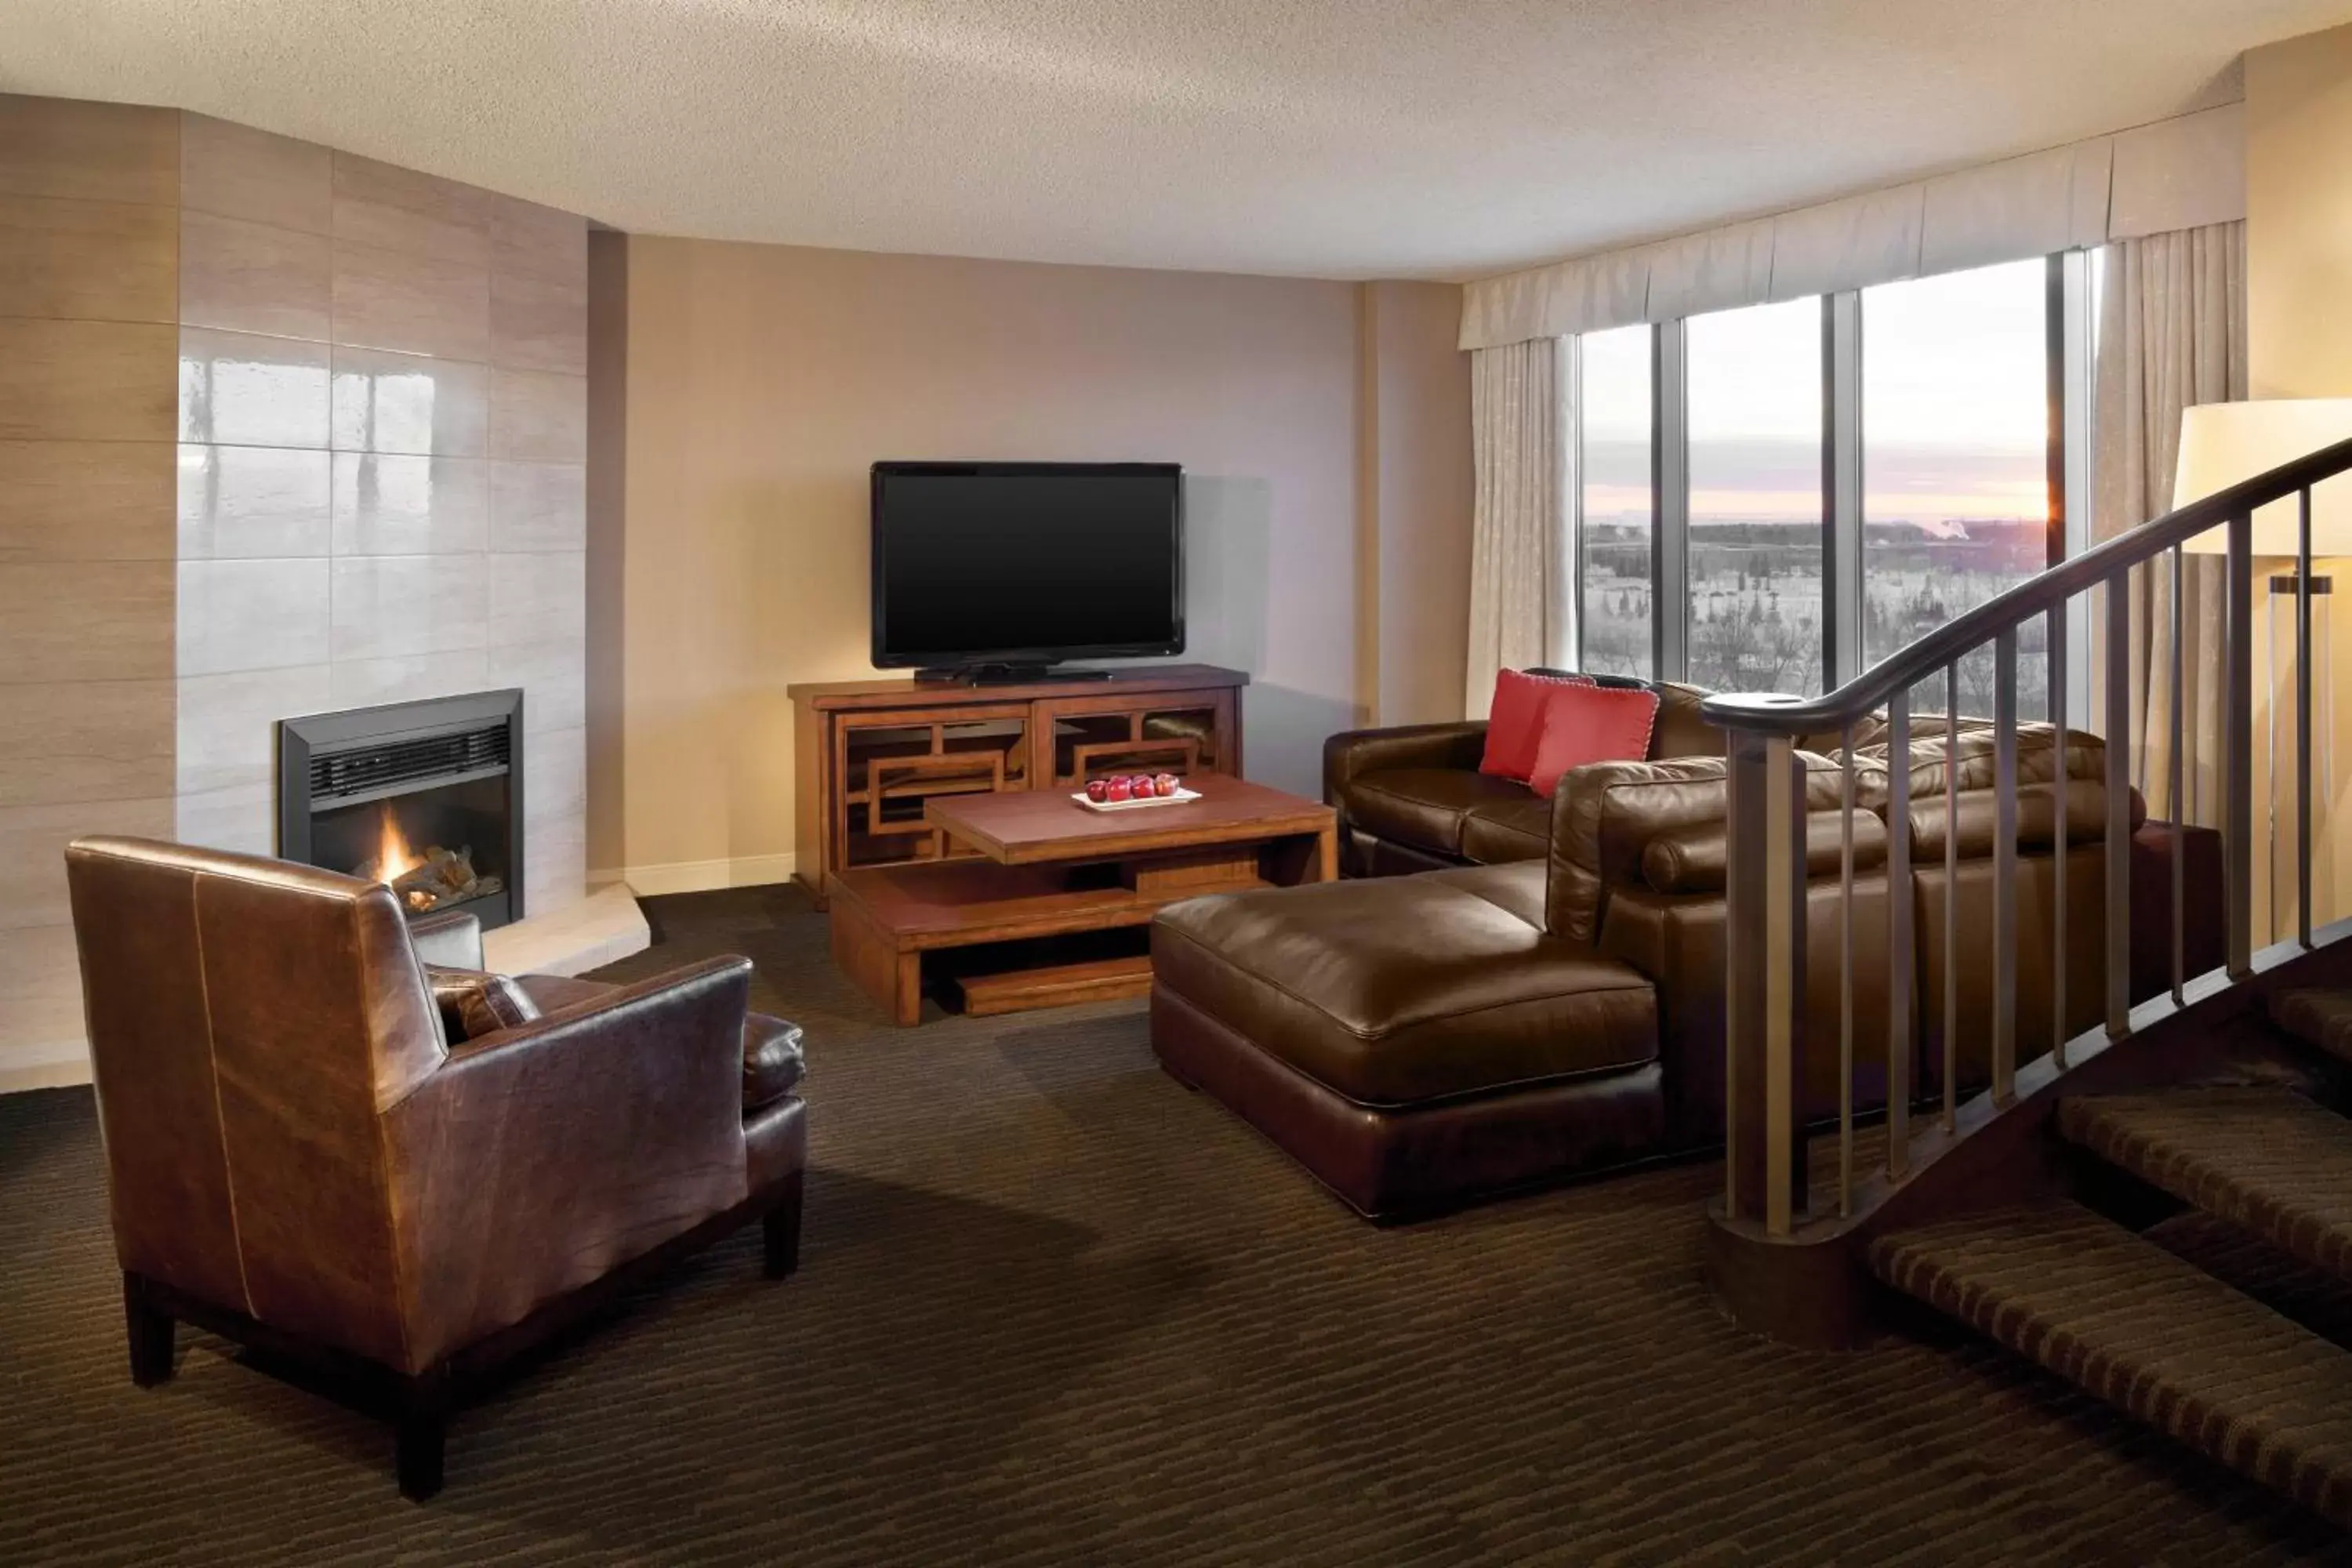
pixel 1052 1309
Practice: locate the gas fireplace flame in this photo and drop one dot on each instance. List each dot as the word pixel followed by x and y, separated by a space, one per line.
pixel 393 858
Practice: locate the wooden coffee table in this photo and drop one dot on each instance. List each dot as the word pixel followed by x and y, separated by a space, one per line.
pixel 1050 906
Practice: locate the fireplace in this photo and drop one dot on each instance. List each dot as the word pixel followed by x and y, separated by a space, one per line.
pixel 425 796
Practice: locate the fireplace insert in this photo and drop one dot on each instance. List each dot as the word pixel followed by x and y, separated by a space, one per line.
pixel 423 796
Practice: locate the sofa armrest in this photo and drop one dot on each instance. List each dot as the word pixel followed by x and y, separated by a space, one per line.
pixel 1352 753
pixel 1605 815
pixel 452 939
pixel 536 1159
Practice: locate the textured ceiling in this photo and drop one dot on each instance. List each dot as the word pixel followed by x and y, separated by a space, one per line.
pixel 1341 138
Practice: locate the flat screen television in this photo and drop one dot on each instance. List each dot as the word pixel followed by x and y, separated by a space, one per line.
pixel 986 568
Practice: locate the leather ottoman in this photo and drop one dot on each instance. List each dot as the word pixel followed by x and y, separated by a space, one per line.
pixel 1416 1043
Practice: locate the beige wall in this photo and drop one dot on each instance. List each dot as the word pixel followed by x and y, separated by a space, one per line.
pixel 1420 469
pixel 763 380
pixel 2299 216
pixel 2299 317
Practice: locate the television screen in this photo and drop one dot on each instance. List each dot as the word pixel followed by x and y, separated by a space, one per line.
pixel 1025 562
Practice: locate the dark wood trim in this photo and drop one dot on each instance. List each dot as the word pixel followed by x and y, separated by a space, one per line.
pixel 421 1404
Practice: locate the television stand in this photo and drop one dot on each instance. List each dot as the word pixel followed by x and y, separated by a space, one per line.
pixel 869 754
pixel 1007 674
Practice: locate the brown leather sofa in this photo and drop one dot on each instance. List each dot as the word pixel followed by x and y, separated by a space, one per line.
pixel 1420 1040
pixel 304 1154
pixel 1410 797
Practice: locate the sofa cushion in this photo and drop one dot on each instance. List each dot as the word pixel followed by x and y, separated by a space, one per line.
pixel 2037 819
pixel 1499 832
pixel 1697 858
pixel 474 1003
pixel 1516 719
pixel 1411 989
pixel 1679 732
pixel 1423 806
pixel 1607 814
pixel 2037 750
pixel 1591 725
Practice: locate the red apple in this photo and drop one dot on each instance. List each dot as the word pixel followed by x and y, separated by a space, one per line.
pixel 1166 783
pixel 1121 788
pixel 1143 785
pixel 1097 790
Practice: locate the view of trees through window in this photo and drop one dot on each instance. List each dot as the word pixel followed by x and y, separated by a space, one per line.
pixel 1613 471
pixel 1954 409
pixel 1755 390
pixel 1956 502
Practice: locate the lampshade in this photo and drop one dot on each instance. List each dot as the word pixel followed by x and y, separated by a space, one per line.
pixel 2223 444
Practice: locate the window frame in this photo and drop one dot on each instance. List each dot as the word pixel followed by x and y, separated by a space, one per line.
pixel 2069 375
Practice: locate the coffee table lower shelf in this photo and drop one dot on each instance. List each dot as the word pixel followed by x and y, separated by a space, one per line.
pixel 1006 938
pixel 1055 985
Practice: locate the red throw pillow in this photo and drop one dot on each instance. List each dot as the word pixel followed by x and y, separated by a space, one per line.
pixel 1591 724
pixel 1515 720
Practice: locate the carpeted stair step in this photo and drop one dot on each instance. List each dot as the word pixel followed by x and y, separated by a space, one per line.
pixel 2148 1334
pixel 2320 1019
pixel 2266 1160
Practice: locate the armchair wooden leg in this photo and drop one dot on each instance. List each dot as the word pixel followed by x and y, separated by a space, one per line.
pixel 153 1335
pixel 781 1233
pixel 421 1438
pixel 420 1429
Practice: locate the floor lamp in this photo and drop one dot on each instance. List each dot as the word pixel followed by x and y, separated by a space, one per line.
pixel 2223 444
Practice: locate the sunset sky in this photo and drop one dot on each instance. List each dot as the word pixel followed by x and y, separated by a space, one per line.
pixel 1953 405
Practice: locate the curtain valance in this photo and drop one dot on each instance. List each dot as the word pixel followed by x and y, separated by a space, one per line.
pixel 2177 173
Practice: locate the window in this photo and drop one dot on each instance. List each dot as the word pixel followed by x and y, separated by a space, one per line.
pixel 1615 515
pixel 1755 395
pixel 1956 500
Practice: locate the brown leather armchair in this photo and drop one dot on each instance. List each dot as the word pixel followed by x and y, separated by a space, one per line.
pixel 302 1158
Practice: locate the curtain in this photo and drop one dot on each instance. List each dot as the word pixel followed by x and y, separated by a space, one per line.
pixel 2173 175
pixel 1518 531
pixel 2172 333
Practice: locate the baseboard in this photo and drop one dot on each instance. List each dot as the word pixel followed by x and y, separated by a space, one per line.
pixel 703 876
pixel 50 1064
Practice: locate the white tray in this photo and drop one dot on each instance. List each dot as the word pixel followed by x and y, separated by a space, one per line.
pixel 1179 798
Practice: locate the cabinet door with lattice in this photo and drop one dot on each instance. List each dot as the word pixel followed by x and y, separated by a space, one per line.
pixel 1182 733
pixel 890 764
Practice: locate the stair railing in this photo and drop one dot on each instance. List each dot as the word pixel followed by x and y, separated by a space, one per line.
pixel 1765 1180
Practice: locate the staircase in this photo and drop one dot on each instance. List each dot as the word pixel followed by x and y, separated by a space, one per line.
pixel 2157 1207
pixel 2077 1284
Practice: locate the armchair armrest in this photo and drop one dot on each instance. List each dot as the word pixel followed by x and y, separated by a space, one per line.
pixel 536 1159
pixel 452 938
pixel 1351 752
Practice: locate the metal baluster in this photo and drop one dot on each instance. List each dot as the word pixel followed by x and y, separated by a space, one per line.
pixel 1845 977
pixel 2004 866
pixel 1951 894
pixel 2178 789
pixel 2062 785
pixel 1783 877
pixel 2302 723
pixel 2238 747
pixel 1740 944
pixel 2118 830
pixel 1900 958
